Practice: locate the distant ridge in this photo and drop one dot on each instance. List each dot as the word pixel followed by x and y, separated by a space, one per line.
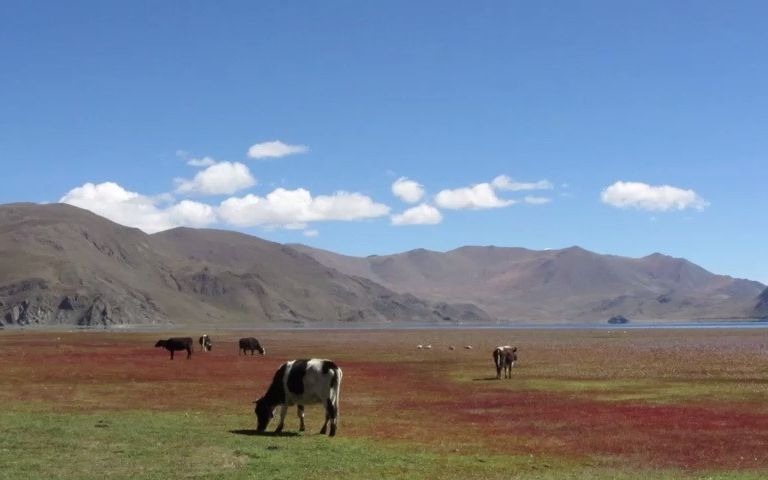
pixel 63 265
pixel 566 285
pixel 761 308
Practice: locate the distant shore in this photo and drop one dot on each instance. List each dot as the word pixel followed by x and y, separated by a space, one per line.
pixel 633 325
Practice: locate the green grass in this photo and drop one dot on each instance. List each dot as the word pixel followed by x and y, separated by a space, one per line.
pixel 148 445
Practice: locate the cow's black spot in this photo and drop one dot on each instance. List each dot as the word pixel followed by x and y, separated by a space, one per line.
pixel 296 377
pixel 328 366
pixel 276 393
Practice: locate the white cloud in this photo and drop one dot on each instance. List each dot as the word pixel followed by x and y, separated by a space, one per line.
pixel 648 197
pixel 420 215
pixel 128 208
pixel 275 149
pixel 531 200
pixel 407 190
pixel 220 178
pixel 201 162
pixel 192 214
pixel 503 182
pixel 311 233
pixel 286 208
pixel 475 197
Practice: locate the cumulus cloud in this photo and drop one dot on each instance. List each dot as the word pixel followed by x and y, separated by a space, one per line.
pixel 476 197
pixel 642 196
pixel 218 179
pixel 285 208
pixel 275 149
pixel 132 209
pixel 503 182
pixel 420 215
pixel 407 190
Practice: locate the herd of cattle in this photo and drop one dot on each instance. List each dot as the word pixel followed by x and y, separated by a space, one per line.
pixel 177 344
pixel 308 381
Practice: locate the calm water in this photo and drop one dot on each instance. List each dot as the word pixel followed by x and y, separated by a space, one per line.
pixel 710 324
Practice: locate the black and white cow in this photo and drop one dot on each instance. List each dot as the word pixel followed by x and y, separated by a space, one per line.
pixel 504 358
pixel 301 382
pixel 250 343
pixel 176 344
pixel 206 344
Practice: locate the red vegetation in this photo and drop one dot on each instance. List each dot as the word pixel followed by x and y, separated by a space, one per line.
pixel 391 391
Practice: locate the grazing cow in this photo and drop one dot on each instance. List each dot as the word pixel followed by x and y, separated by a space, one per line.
pixel 178 343
pixel 206 344
pixel 251 344
pixel 504 358
pixel 451 348
pixel 301 382
pixel 468 347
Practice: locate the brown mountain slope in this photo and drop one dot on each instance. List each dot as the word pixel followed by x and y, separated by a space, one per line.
pixel 63 265
pixel 761 308
pixel 571 284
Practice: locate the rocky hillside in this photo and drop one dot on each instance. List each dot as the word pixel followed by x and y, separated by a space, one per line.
pixel 572 284
pixel 761 308
pixel 63 265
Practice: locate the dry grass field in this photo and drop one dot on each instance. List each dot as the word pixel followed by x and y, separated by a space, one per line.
pixel 581 404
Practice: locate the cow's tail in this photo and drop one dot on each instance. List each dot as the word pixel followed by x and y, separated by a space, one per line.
pixel 336 386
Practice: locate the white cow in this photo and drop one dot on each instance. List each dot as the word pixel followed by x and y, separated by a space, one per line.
pixel 301 382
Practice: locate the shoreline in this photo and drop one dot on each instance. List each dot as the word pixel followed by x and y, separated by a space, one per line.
pixel 636 325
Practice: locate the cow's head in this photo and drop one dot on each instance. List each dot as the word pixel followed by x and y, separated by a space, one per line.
pixel 264 414
pixel 261 350
pixel 160 343
pixel 512 355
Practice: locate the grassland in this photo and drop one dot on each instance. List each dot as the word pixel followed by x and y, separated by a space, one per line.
pixel 581 404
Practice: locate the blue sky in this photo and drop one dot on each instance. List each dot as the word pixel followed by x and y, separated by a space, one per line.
pixel 375 127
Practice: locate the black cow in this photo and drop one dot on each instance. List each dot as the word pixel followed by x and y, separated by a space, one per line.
pixel 301 382
pixel 178 343
pixel 251 344
pixel 504 358
pixel 206 344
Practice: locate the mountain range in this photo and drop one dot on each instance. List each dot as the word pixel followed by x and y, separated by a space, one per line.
pixel 565 285
pixel 63 265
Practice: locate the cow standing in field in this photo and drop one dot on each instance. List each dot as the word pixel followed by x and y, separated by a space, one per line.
pixel 504 358
pixel 250 343
pixel 301 382
pixel 176 344
pixel 206 344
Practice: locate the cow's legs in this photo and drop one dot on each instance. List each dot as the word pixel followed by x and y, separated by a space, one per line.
pixel 325 424
pixel 189 353
pixel 331 413
pixel 332 407
pixel 283 411
pixel 171 354
pixel 300 413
